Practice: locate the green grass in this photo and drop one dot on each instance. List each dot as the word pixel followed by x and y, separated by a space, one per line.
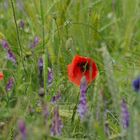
pixel 106 30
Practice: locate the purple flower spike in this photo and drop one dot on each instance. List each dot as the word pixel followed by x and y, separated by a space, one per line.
pixel 40 67
pixel 136 84
pixel 56 127
pixel 125 114
pixel 83 86
pixel 5 44
pixel 56 98
pixel 50 76
pixel 22 129
pixel 35 42
pixel 11 56
pixel 21 24
pixel 40 64
pixel 82 107
pixel 10 84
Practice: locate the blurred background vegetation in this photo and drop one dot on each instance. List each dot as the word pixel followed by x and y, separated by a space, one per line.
pixel 106 30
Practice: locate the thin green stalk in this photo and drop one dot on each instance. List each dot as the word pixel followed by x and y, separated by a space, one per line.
pixel 75 109
pixel 59 49
pixel 42 19
pixel 18 38
pixel 45 51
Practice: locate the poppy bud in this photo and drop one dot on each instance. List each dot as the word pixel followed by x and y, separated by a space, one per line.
pixel 69 44
pixel 41 92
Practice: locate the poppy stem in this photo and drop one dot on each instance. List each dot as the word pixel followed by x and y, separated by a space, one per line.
pixel 75 109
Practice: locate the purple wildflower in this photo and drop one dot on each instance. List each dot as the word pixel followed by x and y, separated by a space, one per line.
pixel 56 98
pixel 22 129
pixel 35 42
pixel 50 76
pixel 56 127
pixel 136 84
pixel 5 44
pixel 125 114
pixel 21 24
pixel 10 84
pixel 40 64
pixel 11 56
pixel 82 107
pixel 40 67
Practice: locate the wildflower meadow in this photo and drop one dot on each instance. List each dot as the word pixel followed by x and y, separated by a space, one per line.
pixel 69 69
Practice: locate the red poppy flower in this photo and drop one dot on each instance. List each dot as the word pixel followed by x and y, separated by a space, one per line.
pixel 82 66
pixel 1 76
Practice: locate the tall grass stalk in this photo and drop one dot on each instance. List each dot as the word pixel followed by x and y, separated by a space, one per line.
pixel 18 36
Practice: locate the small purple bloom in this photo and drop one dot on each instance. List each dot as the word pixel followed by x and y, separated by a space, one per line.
pixel 5 44
pixel 136 84
pixel 40 67
pixel 35 42
pixel 50 76
pixel 21 24
pixel 56 98
pixel 11 56
pixel 10 84
pixel 22 129
pixel 56 127
pixel 82 107
pixel 125 114
pixel 40 64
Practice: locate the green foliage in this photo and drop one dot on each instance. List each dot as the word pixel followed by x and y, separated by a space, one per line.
pixel 105 30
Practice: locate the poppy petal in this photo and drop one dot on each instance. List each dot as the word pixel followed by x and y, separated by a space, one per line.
pixel 1 76
pixel 82 66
